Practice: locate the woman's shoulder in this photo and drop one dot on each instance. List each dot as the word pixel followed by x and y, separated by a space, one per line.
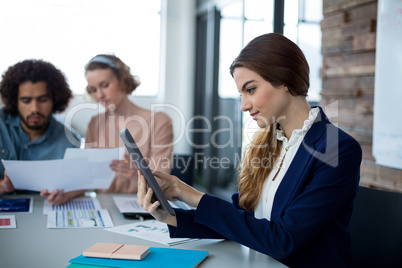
pixel 348 142
pixel 157 116
pixel 340 144
pixel 335 135
pixel 162 116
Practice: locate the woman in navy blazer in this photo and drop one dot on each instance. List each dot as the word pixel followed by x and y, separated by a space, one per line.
pixel 296 203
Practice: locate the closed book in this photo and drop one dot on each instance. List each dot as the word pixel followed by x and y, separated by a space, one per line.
pixel 117 251
pixel 131 252
pixel 157 258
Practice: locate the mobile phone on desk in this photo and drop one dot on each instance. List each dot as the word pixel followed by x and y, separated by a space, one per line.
pixel 142 165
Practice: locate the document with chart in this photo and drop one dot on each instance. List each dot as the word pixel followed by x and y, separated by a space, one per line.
pixel 84 203
pixel 77 213
pixel 150 230
pixel 79 219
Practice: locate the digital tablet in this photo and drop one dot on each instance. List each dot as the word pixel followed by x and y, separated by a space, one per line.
pixel 142 165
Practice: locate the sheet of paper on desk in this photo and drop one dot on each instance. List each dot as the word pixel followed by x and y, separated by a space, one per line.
pixel 7 221
pixel 84 203
pixel 151 230
pixel 99 159
pixel 79 219
pixel 67 174
pixel 129 204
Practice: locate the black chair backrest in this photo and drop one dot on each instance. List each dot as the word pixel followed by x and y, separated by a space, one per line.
pixel 183 168
pixel 376 228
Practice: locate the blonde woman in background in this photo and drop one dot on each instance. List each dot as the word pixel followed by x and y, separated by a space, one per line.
pixel 110 83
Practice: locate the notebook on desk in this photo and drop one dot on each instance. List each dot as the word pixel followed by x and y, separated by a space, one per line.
pixel 157 258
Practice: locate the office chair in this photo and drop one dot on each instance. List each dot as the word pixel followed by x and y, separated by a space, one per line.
pixel 183 168
pixel 376 229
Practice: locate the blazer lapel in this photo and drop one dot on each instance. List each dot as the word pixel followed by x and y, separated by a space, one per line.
pixel 292 182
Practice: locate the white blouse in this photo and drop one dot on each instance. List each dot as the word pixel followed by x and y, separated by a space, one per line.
pixel 289 147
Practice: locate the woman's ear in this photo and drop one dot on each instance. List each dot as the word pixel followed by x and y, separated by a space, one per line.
pixel 286 87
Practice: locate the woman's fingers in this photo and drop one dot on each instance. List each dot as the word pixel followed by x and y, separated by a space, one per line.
pixel 120 165
pixel 153 208
pixel 141 188
pixel 55 198
pixel 148 198
pixel 122 168
pixel 162 175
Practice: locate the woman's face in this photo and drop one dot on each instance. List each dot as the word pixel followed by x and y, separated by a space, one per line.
pixel 104 86
pixel 265 103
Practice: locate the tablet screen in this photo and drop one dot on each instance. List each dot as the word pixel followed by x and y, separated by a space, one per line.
pixel 142 165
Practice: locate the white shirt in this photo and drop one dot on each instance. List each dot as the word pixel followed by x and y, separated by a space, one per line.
pixel 290 147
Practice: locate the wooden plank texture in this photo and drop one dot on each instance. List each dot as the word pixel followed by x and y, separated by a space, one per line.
pixel 349 71
pixel 348 60
pixel 347 16
pixel 363 26
pixel 364 41
pixel 361 82
pixel 330 6
pixel 348 75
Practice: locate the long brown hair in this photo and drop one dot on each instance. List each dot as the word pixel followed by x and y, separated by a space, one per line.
pixel 279 61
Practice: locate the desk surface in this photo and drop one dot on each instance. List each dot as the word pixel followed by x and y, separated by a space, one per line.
pixel 31 244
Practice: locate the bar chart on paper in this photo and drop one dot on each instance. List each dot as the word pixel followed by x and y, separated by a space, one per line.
pixel 79 219
pixel 73 204
pixel 77 213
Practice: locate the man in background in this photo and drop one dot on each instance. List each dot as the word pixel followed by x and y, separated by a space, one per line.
pixel 32 91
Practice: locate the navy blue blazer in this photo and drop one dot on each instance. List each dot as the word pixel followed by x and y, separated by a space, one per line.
pixel 309 224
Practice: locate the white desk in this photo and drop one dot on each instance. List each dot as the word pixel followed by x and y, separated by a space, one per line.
pixel 31 244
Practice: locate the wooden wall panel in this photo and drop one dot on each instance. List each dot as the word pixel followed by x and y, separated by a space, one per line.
pixel 331 6
pixel 348 74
